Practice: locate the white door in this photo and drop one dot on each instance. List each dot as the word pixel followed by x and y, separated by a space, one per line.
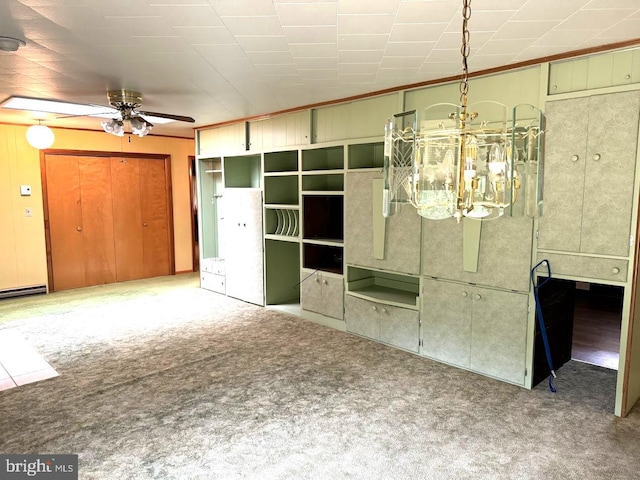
pixel 244 259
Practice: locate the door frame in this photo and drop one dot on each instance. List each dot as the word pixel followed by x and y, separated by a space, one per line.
pixel 107 155
pixel 193 199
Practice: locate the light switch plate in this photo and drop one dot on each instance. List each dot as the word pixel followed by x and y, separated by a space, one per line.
pixel 25 190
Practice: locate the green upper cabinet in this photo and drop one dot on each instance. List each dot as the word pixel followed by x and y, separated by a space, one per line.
pixel 590 157
pixel 359 119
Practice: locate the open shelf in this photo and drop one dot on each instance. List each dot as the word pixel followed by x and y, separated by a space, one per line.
pixel 281 162
pixel 281 190
pixel 366 155
pixel 327 258
pixel 282 271
pixel 332 182
pixel 330 158
pixel 282 222
pixel 384 287
pixel 323 217
pixel 242 171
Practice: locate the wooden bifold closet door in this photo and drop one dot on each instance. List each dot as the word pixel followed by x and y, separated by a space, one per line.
pixel 108 220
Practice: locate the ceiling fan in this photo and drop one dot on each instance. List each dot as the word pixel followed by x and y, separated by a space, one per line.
pixel 124 108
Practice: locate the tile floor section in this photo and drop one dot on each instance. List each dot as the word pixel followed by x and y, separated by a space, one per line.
pixel 20 363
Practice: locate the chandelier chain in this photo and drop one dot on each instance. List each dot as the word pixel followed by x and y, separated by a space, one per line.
pixel 465 50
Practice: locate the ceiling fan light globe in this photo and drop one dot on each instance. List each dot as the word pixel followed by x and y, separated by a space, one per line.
pixel 40 136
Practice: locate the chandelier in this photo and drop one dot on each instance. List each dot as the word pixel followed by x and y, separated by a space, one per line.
pixel 449 161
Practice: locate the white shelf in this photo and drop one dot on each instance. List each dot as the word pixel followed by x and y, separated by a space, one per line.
pixel 281 206
pixel 284 173
pixel 384 287
pixel 324 241
pixel 282 238
pixel 323 192
pixel 323 172
pixel 398 298
pixel 213 171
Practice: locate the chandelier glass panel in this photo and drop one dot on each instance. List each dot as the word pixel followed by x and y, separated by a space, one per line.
pixel 448 161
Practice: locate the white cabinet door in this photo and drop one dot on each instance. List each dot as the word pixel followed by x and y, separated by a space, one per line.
pixel 244 260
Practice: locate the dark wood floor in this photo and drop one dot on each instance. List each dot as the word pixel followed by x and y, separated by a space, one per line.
pixel 596 326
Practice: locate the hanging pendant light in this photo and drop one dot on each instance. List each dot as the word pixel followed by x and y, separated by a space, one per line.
pixel 450 161
pixel 40 136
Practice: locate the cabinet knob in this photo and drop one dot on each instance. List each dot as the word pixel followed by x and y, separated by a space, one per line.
pixel 575 158
pixel 478 297
pixel 464 294
pixel 384 310
pixel 324 281
pixel 317 280
pixel 375 308
pixel 145 224
pixel 79 229
pixel 615 270
pixel 596 157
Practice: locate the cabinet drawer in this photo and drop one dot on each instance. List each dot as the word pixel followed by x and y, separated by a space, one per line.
pixel 212 265
pixel 385 323
pixel 215 283
pixel 586 267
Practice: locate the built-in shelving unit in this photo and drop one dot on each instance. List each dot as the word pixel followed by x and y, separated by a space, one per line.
pixel 282 226
pixel 242 171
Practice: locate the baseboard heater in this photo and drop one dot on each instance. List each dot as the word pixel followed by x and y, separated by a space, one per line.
pixel 23 291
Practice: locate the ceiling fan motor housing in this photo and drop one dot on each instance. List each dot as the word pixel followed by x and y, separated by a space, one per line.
pixel 124 98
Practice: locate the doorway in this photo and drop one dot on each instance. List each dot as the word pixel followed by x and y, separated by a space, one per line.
pixel 193 189
pixel 583 322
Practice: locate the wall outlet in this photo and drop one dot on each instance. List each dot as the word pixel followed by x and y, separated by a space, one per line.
pixel 27 212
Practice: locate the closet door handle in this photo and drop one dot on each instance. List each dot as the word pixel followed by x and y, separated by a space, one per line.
pixel 615 270
pixel 145 224
pixel 478 297
pixel 375 308
pixel 79 229
pixel 464 294
pixel 575 158
pixel 597 157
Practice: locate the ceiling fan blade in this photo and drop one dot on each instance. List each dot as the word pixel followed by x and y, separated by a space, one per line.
pixel 105 114
pixel 179 118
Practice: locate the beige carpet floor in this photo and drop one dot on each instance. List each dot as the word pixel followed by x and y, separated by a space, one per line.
pixel 159 379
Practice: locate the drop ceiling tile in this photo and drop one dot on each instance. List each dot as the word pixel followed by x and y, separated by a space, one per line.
pixel 213 53
pixel 417 32
pixel 513 47
pixel 314 50
pixel 401 74
pixel 363 42
pixel 368 8
pixel 319 74
pixel 284 69
pixel 606 4
pixel 351 68
pixel 263 43
pixel 360 56
pixel 588 19
pixel 205 35
pixel 533 30
pixel 364 24
pixel 357 78
pixel 192 16
pixel 432 12
pixel 545 10
pixel 625 29
pixel 482 21
pixel 442 69
pixel 444 56
pixel 494 5
pixel 451 40
pixel 409 49
pixel 266 25
pixel 311 34
pixel 240 8
pixel 301 14
pixel 482 62
pixel 564 38
pixel 401 62
pixel 310 63
pixel 270 58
